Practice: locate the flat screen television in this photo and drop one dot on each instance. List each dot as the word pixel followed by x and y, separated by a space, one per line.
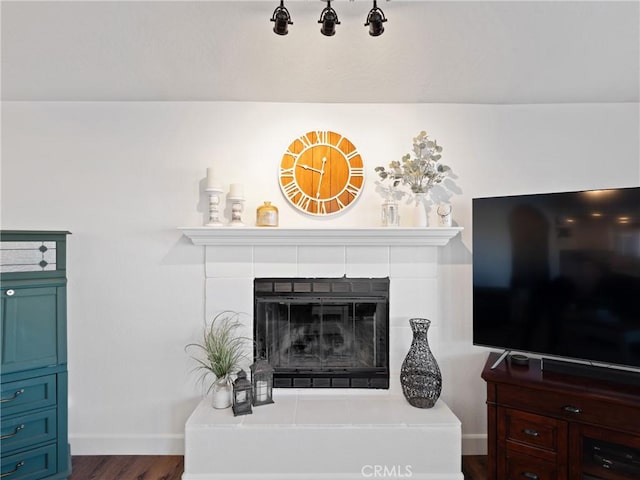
pixel 558 274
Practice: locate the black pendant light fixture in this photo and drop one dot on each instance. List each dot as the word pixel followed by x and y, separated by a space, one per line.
pixel 329 20
pixel 282 19
pixel 375 20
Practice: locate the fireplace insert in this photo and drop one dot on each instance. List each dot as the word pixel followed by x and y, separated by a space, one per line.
pixel 323 332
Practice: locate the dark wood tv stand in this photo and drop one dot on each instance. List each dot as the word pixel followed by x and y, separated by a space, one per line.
pixel 553 426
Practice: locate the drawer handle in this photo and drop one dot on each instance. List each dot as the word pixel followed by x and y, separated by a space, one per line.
pixel 10 293
pixel 530 475
pixel 19 465
pixel 530 432
pixel 15 432
pixel 572 409
pixel 10 399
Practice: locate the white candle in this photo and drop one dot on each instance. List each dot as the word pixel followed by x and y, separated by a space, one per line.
pixel 261 391
pixel 212 181
pixel 237 190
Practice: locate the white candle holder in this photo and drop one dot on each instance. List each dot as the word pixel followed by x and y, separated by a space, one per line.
pixel 214 207
pixel 236 211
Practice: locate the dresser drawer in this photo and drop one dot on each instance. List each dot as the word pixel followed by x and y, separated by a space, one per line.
pixel 25 430
pixel 570 407
pixel 30 465
pixel 529 468
pixel 533 430
pixel 28 394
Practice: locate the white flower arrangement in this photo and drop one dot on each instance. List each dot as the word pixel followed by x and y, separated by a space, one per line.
pixel 420 173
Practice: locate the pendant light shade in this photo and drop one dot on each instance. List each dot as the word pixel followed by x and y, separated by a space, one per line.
pixel 329 20
pixel 282 19
pixel 375 20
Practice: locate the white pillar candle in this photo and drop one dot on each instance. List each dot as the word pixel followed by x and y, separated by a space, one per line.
pixel 212 181
pixel 261 391
pixel 237 190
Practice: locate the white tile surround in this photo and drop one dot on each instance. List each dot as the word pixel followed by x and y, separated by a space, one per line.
pixel 347 429
pixel 408 256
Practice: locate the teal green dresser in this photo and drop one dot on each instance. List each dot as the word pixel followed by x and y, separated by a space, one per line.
pixel 33 337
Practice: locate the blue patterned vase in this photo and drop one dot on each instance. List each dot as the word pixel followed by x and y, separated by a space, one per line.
pixel 420 375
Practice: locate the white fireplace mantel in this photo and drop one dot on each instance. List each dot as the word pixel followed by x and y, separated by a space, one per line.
pixel 373 236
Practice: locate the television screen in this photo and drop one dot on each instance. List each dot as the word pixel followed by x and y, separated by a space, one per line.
pixel 559 274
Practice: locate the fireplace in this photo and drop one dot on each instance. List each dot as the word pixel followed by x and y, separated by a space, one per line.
pixel 323 332
pixel 235 257
pixel 386 429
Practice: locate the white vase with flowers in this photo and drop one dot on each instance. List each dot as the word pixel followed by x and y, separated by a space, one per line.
pixel 419 173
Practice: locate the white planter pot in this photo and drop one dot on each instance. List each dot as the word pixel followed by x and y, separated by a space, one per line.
pixel 222 393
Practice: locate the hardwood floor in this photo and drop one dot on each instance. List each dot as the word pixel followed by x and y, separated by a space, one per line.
pixel 474 467
pixel 127 467
pixel 170 467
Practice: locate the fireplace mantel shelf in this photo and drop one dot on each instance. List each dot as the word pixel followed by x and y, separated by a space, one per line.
pixel 374 236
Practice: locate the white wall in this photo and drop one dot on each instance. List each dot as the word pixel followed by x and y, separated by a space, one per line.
pixel 123 176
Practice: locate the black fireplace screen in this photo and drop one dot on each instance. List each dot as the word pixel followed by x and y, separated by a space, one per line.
pixel 324 332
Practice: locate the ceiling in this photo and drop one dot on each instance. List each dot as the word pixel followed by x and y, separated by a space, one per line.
pixel 502 52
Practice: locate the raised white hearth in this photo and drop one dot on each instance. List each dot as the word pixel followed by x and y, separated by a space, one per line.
pixel 313 435
pixel 321 437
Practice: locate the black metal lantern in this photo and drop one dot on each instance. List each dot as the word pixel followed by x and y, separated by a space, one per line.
pixel 262 380
pixel 241 395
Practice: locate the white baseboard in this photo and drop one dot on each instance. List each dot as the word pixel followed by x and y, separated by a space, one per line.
pixel 474 444
pixel 126 444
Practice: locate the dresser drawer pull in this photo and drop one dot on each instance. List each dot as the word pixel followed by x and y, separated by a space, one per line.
pixel 15 395
pixel 10 293
pixel 572 409
pixel 530 475
pixel 606 463
pixel 19 465
pixel 15 432
pixel 531 432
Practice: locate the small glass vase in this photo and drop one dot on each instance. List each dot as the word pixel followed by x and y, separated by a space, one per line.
pixel 222 390
pixel 444 215
pixel 267 215
pixel 420 375
pixel 390 214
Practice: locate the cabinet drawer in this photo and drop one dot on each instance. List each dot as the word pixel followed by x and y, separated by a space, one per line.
pixel 533 430
pixel 30 465
pixel 529 468
pixel 570 407
pixel 22 431
pixel 28 394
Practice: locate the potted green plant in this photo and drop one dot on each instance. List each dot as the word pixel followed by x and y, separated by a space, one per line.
pixel 219 354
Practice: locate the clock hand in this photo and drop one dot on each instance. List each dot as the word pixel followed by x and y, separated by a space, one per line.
pixel 307 167
pixel 324 160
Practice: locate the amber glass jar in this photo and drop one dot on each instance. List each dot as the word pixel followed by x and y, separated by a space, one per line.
pixel 267 215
